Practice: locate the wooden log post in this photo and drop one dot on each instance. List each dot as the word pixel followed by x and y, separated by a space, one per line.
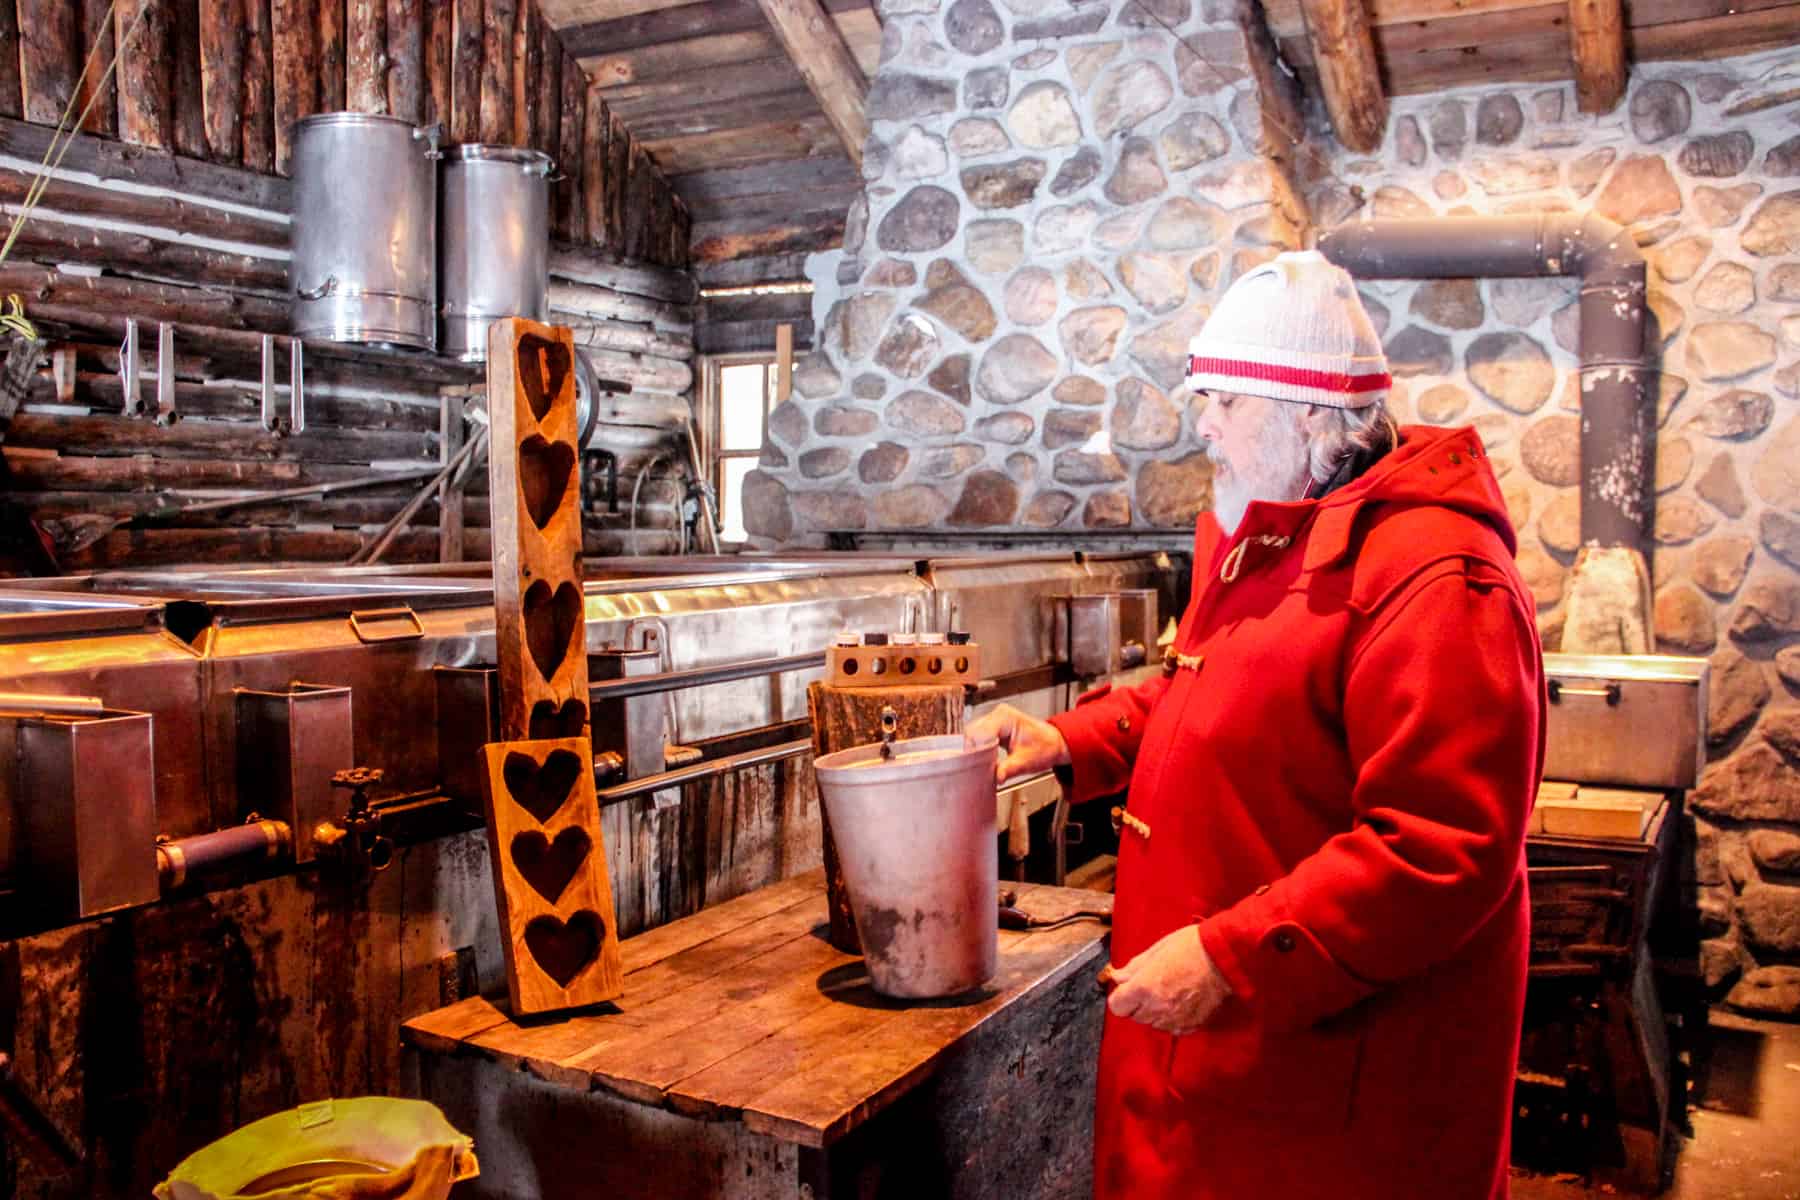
pixel 365 68
pixel 295 31
pixel 596 169
pixel 222 78
pixel 499 26
pixel 145 71
pixel 1349 76
pixel 332 88
pixel 465 70
pixel 846 717
pixel 187 92
pixel 406 60
pixel 11 98
pixel 569 211
pixel 525 75
pixel 96 41
pixel 549 90
pixel 440 29
pixel 259 87
pixel 816 46
pixel 1597 42
pixel 49 56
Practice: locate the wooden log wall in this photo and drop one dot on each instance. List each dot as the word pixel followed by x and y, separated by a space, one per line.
pixel 119 233
pixel 224 80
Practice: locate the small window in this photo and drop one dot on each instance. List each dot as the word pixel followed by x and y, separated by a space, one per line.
pixel 740 392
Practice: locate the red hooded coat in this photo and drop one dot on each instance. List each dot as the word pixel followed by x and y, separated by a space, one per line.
pixel 1336 783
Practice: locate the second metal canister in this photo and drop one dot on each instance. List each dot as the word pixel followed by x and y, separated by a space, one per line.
pixel 364 265
pixel 495 242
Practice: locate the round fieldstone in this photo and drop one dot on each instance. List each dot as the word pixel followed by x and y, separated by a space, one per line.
pixel 1063 227
pixel 1161 350
pixel 994 247
pixel 1660 109
pixel 1204 271
pixel 1738 413
pixel 1128 95
pixel 988 498
pixel 1728 288
pixel 1737 693
pixel 1720 488
pixel 1193 138
pixel 838 420
pixel 1077 467
pixel 767 513
pixel 1397 203
pixel 868 386
pixel 951 378
pixel 1143 418
pixel 973 137
pixel 909 347
pixel 1449 129
pixel 831 510
pixel 1107 510
pixel 1157 281
pixel 856 322
pixel 1450 303
pixel 1069 427
pixel 1781 729
pixel 1679 520
pixel 1523 302
pixel 883 462
pixel 1031 297
pixel 1677 261
pixel 1721 563
pixel 1767 992
pixel 973 27
pixel 1183 224
pixel 1022 465
pixel 1774 228
pixel 1079 170
pixel 1720 350
pixel 1442 404
pixel 1768 609
pixel 1517 495
pixel 1376 310
pixel 924 415
pixel 963 308
pixel 1770 915
pixel 1723 206
pixel 1498 119
pixel 947 462
pixel 1551 451
pixel 1174 494
pixel 924 219
pixel 1666 319
pixel 1585 172
pixel 920 155
pixel 1674 461
pixel 1543 575
pixel 1784 283
pixel 1641 189
pixel 1138 176
pixel 1684 622
pixel 1086 62
pixel 824 462
pixel 986 88
pixel 1781 534
pixel 892 273
pixel 1014 369
pixel 1082 280
pixel 1079 390
pixel 1775 849
pixel 1043 117
pixel 897 96
pixel 1034 60
pixel 1047 509
pixel 1547 106
pixel 915 506
pixel 814 375
pixel 788 423
pixel 1091 335
pixel 1717 155
pixel 1512 370
pixel 1783 161
pixel 1416 350
pixel 1007 428
pixel 1003 185
pixel 1559 525
pixel 1409 141
pixel 1787 380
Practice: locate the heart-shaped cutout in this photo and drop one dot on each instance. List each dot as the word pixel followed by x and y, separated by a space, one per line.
pixel 563 951
pixel 549 722
pixel 543 369
pixel 541 791
pixel 544 472
pixel 546 865
pixel 552 619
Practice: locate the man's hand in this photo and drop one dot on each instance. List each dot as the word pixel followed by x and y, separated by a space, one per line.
pixel 1173 986
pixel 1031 745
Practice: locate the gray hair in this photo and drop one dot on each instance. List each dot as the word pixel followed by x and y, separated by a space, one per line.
pixel 1344 432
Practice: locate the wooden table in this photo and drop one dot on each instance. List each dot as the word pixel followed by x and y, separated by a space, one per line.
pixel 747 1058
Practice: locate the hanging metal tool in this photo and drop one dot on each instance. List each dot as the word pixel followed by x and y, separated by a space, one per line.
pixel 165 374
pixel 451 475
pixel 296 418
pixel 701 490
pixel 129 383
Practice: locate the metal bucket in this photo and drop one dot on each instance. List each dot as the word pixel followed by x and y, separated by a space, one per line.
pixel 364 267
pixel 495 239
pixel 915 837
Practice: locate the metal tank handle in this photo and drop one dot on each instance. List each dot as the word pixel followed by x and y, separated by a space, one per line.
pixel 319 293
pixel 432 134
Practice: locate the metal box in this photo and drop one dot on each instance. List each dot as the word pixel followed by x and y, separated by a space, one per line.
pixel 468 718
pixel 290 744
pixel 84 794
pixel 1636 720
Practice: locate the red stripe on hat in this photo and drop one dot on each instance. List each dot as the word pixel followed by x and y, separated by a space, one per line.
pixel 1324 381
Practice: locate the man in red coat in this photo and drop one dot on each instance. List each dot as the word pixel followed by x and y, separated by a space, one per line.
pixel 1320 939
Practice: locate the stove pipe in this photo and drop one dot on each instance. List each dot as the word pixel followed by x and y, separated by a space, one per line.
pixel 1617 410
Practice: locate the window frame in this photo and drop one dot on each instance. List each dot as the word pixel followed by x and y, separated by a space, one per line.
pixel 713 426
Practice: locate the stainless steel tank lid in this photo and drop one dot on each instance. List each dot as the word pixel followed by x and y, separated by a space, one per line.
pixel 353 118
pixel 475 151
pixel 913 759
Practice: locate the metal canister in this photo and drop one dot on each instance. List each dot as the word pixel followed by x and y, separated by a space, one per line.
pixel 495 242
pixel 364 267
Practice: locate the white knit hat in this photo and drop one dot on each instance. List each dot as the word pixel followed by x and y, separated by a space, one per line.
pixel 1292 329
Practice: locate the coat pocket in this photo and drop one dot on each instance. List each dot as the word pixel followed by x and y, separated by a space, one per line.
pixel 1307 1075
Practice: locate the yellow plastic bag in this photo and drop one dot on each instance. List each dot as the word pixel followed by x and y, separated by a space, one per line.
pixel 368 1148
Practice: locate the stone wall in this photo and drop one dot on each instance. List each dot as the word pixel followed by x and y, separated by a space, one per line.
pixel 1702 162
pixel 1056 194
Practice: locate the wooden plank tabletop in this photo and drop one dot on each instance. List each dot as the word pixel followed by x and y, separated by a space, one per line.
pixel 745 1012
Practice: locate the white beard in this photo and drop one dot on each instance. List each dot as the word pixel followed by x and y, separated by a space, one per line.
pixel 1277 471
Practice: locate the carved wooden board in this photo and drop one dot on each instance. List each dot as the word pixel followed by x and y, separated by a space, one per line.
pixel 535 482
pixel 556 908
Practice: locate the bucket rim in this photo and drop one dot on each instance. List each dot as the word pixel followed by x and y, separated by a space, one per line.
pixel 845 767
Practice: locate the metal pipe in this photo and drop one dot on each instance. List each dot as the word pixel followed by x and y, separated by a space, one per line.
pixel 1617 412
pixel 82 706
pixel 668 681
pixel 182 857
pixel 644 785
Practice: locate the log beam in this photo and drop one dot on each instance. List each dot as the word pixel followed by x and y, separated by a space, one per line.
pixel 1349 76
pixel 1597 41
pixel 818 50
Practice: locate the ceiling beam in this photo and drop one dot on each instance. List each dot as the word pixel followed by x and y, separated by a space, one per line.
pixel 1349 76
pixel 1597 40
pixel 704 18
pixel 818 49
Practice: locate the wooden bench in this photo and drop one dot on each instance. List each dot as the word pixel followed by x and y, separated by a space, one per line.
pixel 747 1058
